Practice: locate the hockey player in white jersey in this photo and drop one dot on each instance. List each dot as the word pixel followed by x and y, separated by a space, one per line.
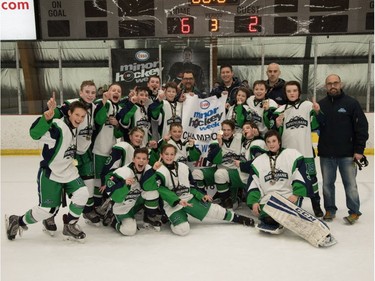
pixel 295 121
pixel 187 152
pixel 105 137
pixel 84 154
pixel 252 146
pixel 177 189
pixel 261 108
pixel 279 170
pixel 126 186
pixel 134 113
pixel 57 173
pixel 239 112
pixel 275 194
pixel 166 109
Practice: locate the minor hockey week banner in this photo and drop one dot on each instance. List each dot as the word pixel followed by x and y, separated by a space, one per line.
pixel 132 67
pixel 201 120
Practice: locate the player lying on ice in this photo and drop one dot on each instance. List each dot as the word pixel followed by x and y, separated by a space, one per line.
pixel 177 189
pixel 277 186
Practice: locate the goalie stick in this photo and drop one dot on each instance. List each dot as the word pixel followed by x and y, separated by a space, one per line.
pixel 299 221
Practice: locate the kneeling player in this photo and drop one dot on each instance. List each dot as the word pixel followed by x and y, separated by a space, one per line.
pixel 279 171
pixel 126 187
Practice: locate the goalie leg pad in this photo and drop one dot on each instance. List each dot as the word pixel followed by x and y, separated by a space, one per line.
pixel 299 221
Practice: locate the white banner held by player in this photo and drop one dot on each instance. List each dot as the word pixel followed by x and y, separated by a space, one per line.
pixel 201 119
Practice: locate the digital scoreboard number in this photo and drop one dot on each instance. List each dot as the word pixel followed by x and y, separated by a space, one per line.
pixel 107 19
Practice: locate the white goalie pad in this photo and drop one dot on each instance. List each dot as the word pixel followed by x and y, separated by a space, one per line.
pixel 299 221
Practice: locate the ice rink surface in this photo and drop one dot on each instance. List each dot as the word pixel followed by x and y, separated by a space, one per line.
pixel 212 251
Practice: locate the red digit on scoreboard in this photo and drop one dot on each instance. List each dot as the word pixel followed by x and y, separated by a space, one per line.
pixel 254 22
pixel 185 25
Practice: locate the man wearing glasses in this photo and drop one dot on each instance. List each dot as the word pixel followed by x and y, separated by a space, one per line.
pixel 342 140
pixel 188 85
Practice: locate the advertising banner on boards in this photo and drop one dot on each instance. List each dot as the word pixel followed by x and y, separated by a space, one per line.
pixel 132 67
pixel 175 62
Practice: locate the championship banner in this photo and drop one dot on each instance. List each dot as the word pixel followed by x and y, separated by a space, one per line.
pixel 132 67
pixel 201 120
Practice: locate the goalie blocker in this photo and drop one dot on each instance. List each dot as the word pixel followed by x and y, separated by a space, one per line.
pixel 299 221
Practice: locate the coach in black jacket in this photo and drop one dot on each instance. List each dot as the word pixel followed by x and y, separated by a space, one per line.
pixel 342 139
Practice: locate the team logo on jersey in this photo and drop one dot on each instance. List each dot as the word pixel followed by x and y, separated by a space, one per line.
pixel 134 193
pixel 296 122
pixel 176 119
pixel 230 157
pixel 181 190
pixel 276 176
pixel 143 123
pixel 87 131
pixel 70 152
pixel 182 159
pixel 256 117
pixel 342 110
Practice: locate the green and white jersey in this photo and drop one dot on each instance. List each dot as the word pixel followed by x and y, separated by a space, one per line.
pixel 59 148
pixel 135 115
pixel 175 180
pixel 250 150
pixel 85 129
pixel 225 155
pixel 166 113
pixel 299 121
pixel 259 115
pixel 284 173
pixel 238 113
pixel 121 155
pixel 105 134
pixel 125 196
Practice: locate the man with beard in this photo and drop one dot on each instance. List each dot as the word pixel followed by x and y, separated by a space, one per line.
pixel 342 141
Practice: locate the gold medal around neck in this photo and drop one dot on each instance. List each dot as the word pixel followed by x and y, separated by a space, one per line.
pixel 75 162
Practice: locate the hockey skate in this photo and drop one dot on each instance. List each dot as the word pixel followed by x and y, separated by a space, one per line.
pixel 243 220
pixel 227 203
pixel 103 208
pixel 72 231
pixel 152 222
pixel 108 218
pixel 49 226
pixel 13 227
pixel 270 228
pixel 92 218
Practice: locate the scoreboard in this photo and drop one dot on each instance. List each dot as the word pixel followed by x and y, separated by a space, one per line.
pixel 108 19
